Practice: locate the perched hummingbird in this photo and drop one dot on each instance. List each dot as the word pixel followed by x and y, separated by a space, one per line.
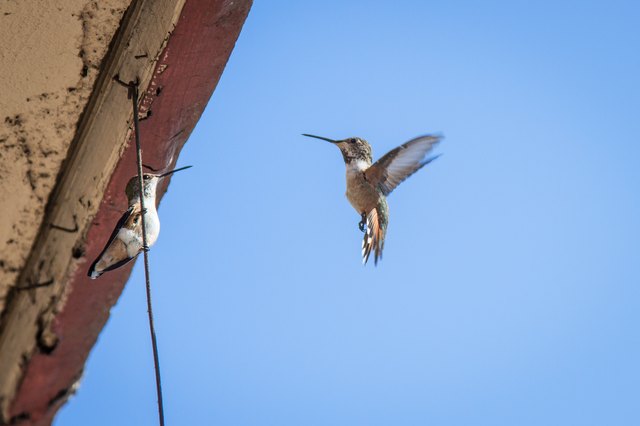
pixel 368 185
pixel 125 242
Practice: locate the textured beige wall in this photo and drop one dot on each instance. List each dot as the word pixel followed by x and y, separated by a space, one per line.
pixel 50 56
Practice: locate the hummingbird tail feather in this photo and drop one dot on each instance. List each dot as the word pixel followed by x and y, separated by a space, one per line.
pixel 373 237
pixel 114 256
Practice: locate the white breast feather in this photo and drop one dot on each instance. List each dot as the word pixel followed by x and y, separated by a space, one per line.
pixel 357 166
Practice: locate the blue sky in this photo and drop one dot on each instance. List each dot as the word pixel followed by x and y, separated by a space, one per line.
pixel 509 290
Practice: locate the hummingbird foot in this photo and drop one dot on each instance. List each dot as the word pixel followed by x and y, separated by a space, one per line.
pixel 363 222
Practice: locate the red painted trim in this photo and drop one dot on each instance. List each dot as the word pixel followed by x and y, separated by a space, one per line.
pixel 187 73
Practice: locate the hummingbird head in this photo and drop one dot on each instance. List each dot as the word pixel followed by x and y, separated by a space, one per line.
pixel 352 149
pixel 149 183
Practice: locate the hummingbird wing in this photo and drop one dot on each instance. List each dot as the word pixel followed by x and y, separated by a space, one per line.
pixel 401 162
pixel 115 252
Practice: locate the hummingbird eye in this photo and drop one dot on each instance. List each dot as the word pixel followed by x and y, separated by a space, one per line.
pixel 353 140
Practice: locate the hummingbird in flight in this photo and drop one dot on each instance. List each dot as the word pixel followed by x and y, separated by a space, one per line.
pixel 125 242
pixel 368 185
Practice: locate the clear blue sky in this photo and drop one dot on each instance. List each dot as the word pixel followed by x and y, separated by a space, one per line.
pixel 509 293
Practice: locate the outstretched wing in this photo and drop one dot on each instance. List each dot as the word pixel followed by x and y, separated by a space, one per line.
pixel 401 162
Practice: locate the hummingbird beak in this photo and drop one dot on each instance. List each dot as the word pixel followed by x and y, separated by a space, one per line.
pixel 320 137
pixel 173 171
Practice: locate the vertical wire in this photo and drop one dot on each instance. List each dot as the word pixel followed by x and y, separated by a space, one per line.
pixel 133 87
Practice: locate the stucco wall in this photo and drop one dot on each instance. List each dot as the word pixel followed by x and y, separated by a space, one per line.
pixel 50 55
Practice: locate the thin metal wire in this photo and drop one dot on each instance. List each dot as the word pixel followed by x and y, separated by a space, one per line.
pixel 133 93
